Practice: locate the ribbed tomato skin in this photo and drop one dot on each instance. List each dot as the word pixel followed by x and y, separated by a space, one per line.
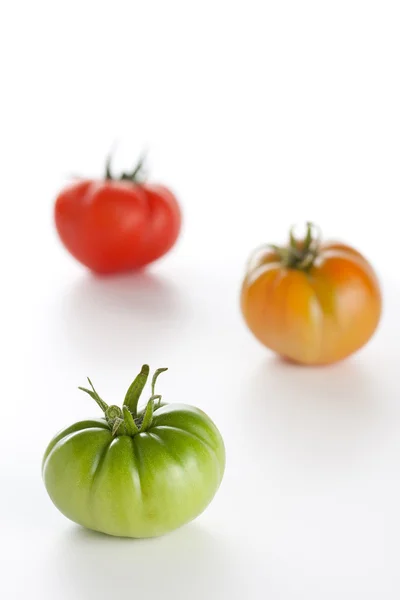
pixel 316 317
pixel 141 486
pixel 114 226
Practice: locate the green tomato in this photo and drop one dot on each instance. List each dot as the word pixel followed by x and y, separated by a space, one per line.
pixel 135 473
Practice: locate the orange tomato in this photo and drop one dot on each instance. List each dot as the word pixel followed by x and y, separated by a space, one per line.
pixel 311 302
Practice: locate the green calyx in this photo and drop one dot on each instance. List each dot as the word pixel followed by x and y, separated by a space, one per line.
pixel 137 176
pixel 300 254
pixel 128 420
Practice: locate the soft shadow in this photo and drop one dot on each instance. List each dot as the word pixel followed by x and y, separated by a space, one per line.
pixel 180 565
pixel 323 413
pixel 109 316
pixel 347 387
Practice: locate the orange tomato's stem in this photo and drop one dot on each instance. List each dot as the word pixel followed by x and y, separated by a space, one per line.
pixel 300 254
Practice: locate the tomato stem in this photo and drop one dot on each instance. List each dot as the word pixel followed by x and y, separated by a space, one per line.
pixel 116 425
pixel 130 426
pixel 135 390
pixel 300 254
pixel 108 174
pixel 93 394
pixel 148 415
pixel 155 377
pixel 136 176
pixel 113 412
pixel 127 421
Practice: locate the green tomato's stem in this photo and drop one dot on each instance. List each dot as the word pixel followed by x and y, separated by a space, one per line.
pixel 148 415
pixel 130 426
pixel 155 376
pixel 113 412
pixel 93 394
pixel 126 421
pixel 154 398
pixel 135 389
pixel 117 424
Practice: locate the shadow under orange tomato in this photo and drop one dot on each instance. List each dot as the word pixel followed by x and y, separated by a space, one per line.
pixel 311 302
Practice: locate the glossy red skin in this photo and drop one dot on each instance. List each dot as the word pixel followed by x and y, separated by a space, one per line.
pixel 115 226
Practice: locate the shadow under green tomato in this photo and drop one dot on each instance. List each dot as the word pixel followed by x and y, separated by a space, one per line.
pixel 86 564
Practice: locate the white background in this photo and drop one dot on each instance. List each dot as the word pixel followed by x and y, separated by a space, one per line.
pixel 258 115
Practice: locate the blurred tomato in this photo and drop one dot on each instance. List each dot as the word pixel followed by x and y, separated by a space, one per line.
pixel 115 225
pixel 312 302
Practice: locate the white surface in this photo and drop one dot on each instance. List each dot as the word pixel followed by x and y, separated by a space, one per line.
pixel 258 114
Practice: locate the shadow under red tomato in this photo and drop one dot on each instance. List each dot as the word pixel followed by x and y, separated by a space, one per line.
pixel 122 318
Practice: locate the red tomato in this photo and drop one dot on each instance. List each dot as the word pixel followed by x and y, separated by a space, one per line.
pixel 116 225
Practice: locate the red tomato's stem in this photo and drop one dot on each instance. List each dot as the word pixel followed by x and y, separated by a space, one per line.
pixel 108 174
pixel 137 176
